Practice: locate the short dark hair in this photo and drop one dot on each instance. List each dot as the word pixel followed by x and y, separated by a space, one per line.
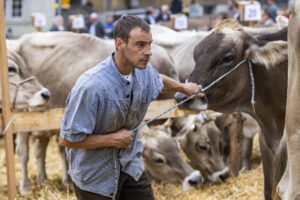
pixel 126 23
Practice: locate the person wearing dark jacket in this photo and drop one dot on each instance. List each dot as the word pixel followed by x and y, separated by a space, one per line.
pixel 94 27
pixel 176 6
pixel 164 14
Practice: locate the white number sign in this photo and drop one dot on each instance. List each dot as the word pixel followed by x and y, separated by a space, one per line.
pixel 252 12
pixel 78 22
pixel 39 20
pixel 180 22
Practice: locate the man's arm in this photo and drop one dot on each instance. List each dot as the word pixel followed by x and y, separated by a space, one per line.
pixel 119 139
pixel 171 85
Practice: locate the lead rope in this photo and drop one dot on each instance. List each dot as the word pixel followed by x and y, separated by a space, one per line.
pixel 17 88
pixel 178 104
pixel 253 85
pixel 15 99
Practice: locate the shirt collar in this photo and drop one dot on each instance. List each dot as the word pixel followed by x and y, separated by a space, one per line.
pixel 116 72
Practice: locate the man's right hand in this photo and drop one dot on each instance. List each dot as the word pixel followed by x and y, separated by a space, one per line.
pixel 122 138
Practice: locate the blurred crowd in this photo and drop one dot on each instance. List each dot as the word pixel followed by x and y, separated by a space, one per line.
pixel 93 26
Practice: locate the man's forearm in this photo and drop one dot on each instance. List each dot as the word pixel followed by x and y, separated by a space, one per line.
pixel 120 139
pixel 170 85
pixel 90 142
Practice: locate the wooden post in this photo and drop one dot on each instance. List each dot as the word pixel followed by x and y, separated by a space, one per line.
pixel 9 153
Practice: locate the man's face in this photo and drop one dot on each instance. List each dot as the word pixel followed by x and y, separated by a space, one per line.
pixel 137 51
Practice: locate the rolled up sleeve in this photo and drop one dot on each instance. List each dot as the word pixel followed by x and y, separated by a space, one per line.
pixel 80 116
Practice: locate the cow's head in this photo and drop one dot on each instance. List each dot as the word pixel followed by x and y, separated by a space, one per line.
pixel 226 46
pixel 200 140
pixel 25 90
pixel 163 160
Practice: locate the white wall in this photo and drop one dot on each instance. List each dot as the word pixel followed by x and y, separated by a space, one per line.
pixel 23 25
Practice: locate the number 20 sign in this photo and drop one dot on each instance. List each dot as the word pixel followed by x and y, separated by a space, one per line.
pixel 252 12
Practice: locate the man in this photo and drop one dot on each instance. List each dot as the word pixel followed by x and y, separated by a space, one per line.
pixel 164 14
pixel 94 27
pixel 271 9
pixel 106 103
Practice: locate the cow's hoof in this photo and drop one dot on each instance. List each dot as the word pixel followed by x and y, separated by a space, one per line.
pixel 42 178
pixel 25 187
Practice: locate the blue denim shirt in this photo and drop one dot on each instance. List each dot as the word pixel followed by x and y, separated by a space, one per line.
pixel 101 103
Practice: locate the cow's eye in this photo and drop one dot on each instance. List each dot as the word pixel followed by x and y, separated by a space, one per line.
pixel 200 147
pixel 159 160
pixel 227 59
pixel 12 69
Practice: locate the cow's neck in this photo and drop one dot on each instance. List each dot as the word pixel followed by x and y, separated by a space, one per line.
pixel 270 97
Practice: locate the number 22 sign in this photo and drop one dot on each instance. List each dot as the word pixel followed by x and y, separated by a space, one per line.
pixel 252 12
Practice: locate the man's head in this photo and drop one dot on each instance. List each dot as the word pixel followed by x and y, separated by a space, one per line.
pixel 164 9
pixel 133 39
pixel 93 17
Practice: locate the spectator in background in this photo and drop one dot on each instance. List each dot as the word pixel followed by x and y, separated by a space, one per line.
pixel 94 27
pixel 149 18
pixel 194 8
pixel 109 27
pixel 233 9
pixel 176 6
pixel 271 9
pixel 266 19
pixel 58 24
pixel 164 14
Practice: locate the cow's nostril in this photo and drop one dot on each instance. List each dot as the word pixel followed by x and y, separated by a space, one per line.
pixel 224 176
pixel 46 95
pixel 193 182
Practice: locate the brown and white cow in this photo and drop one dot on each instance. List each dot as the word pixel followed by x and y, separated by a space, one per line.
pixel 57 59
pixel 289 185
pixel 25 90
pixel 238 130
pixel 163 160
pixel 226 46
pixel 200 140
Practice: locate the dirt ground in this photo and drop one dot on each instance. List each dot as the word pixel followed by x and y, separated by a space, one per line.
pixel 246 186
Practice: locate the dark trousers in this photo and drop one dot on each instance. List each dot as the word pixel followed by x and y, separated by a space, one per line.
pixel 128 189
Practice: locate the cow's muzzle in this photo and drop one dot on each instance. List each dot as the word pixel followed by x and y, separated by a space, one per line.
pixel 196 104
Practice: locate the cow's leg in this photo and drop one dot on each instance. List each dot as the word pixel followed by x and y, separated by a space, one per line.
pixel 41 143
pixel 247 152
pixel 268 167
pixel 22 149
pixel 235 160
pixel 66 179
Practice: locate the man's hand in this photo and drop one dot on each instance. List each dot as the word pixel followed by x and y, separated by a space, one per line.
pixel 122 138
pixel 192 88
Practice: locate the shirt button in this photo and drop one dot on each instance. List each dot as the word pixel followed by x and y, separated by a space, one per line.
pixel 128 83
pixel 127 96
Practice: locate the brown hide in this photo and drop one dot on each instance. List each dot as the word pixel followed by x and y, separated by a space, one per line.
pixel 289 185
pixel 225 47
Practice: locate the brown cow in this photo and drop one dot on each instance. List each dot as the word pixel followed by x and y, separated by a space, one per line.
pixel 200 138
pixel 289 185
pixel 226 46
pixel 238 130
pixel 163 160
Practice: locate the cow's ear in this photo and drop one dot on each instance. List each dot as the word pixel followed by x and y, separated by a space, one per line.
pixel 181 139
pixel 270 54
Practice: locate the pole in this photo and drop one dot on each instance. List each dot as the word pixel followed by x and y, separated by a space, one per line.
pixel 59 8
pixel 9 153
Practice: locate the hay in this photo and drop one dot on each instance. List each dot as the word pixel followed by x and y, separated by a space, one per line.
pixel 246 186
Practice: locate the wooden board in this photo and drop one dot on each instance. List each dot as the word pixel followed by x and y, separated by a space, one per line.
pixel 51 119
